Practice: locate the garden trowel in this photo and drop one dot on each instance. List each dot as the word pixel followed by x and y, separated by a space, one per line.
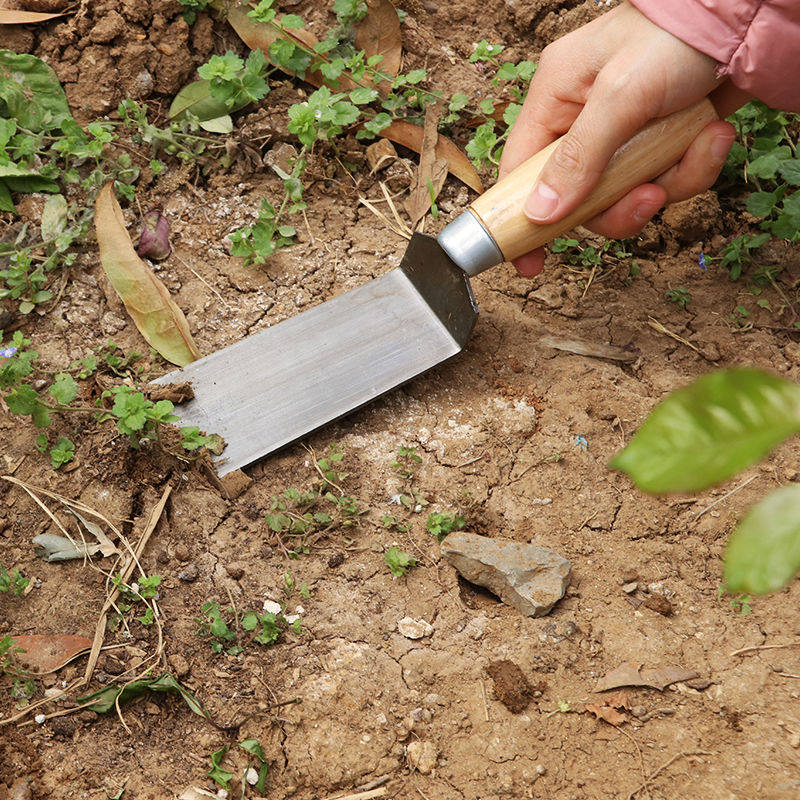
pixel 284 382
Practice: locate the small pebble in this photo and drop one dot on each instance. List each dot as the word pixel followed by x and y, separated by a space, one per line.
pixel 251 776
pixel 639 711
pixel 235 570
pixel 794 740
pixel 629 575
pixel 272 607
pixel 39 719
pixel 630 588
pixel 541 769
pixel 181 552
pixel 189 573
pixel 336 560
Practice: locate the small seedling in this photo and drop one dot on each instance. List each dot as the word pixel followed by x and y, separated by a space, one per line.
pixel 404 464
pixel 214 625
pixel 679 295
pixel 398 561
pixel 12 582
pixel 440 525
pixel 563 708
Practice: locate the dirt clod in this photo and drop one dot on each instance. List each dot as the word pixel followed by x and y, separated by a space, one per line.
pixel 174 392
pixel 235 569
pixel 660 604
pixel 421 756
pixel 189 573
pixel 510 685
pixel 179 664
pixel 181 552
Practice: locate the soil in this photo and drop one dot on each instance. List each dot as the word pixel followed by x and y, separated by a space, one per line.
pixel 514 435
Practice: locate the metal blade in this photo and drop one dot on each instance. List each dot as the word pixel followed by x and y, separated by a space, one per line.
pixel 282 383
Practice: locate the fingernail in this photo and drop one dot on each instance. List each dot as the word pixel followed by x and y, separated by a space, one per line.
pixel 720 145
pixel 541 203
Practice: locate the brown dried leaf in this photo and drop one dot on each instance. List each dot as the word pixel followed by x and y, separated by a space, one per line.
pixel 146 299
pixel 45 654
pixel 260 35
pixel 583 348
pixel 410 135
pixel 380 154
pixel 423 190
pixel 10 16
pixel 630 674
pixel 607 710
pixel 379 34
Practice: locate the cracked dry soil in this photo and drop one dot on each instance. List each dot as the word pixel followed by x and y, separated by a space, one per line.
pixel 497 428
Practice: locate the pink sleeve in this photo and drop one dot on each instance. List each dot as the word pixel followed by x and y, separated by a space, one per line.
pixel 757 42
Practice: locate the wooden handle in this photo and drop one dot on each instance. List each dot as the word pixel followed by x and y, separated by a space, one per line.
pixel 653 150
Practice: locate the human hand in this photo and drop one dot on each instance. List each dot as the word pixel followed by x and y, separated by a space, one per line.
pixel 599 85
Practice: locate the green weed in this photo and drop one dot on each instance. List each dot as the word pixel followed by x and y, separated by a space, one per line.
pixel 440 525
pixel 13 581
pixel 679 295
pixel 398 561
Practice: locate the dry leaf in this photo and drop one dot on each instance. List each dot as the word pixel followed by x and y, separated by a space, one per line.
pixel 146 299
pixel 584 348
pixel 260 35
pixel 9 16
pixel 630 674
pixel 379 34
pixel 380 154
pixel 45 654
pixel 423 190
pixel 410 135
pixel 607 710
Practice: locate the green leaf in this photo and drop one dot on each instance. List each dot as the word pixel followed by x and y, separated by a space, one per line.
pixel 253 746
pixel 64 389
pixel 195 98
pixel 62 453
pixel 217 773
pixel 104 700
pixel 763 553
pixel 710 430
pixel 222 124
pixel 24 77
pixel 790 171
pixel 6 203
pixel 760 204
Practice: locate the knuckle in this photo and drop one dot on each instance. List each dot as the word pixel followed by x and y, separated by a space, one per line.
pixel 549 55
pixel 570 156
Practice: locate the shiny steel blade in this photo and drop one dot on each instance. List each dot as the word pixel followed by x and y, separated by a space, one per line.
pixel 282 383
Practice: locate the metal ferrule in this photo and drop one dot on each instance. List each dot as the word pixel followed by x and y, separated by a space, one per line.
pixel 469 244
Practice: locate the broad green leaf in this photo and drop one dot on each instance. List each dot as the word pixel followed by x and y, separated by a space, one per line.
pixel 710 430
pixel 105 699
pixel 146 299
pixel 760 204
pixel 790 171
pixel 222 124
pixel 195 98
pixel 24 77
pixel 6 203
pixel 54 217
pixel 763 553
pixel 64 389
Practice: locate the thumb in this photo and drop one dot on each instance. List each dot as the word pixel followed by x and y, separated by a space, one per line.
pixel 584 152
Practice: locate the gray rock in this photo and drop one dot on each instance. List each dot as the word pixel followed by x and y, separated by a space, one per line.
pixel 530 578
pixel 189 573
